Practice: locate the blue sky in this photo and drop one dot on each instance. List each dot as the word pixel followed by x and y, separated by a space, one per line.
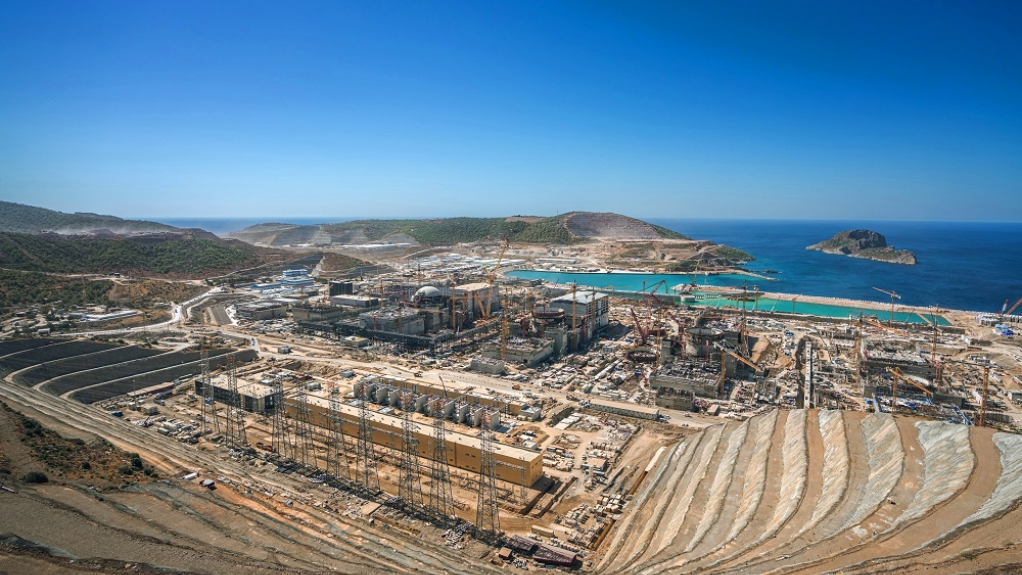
pixel 828 110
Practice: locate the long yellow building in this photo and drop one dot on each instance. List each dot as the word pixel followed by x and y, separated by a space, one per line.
pixel 514 464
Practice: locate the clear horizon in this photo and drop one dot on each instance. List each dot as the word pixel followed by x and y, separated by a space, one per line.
pixel 862 111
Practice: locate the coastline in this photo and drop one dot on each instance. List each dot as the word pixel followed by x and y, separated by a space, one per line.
pixel 877 306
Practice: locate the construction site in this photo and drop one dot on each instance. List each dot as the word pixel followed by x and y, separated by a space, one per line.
pixel 456 419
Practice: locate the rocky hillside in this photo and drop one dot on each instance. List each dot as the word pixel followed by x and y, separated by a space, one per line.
pixel 32 220
pixel 160 255
pixel 571 228
pixel 864 244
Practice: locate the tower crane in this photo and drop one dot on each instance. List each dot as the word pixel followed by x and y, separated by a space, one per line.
pixel 504 330
pixel 981 421
pixel 493 277
pixel 894 387
pixel 938 376
pixel 1008 311
pixel 893 297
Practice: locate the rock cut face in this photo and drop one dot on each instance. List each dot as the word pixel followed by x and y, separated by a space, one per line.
pixel 610 226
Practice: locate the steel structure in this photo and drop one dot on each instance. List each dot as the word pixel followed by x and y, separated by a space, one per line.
pixel 279 440
pixel 206 400
pixel 301 439
pixel 409 483
pixel 337 463
pixel 235 430
pixel 441 496
pixel 487 512
pixel 366 476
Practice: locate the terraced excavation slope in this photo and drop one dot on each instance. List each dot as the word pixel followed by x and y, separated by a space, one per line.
pixel 825 492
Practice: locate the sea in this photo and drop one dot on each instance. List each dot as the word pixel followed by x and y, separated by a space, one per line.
pixel 961 265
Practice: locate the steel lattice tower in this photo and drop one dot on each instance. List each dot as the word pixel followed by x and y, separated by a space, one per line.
pixel 487 513
pixel 301 438
pixel 235 418
pixel 409 484
pixel 207 390
pixel 279 436
pixel 337 452
pixel 366 476
pixel 441 496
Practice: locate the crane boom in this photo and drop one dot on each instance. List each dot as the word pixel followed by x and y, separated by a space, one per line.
pixel 739 358
pixel 1012 308
pixel 897 373
pixel 493 277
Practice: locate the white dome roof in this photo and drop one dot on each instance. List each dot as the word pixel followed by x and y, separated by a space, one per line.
pixel 427 292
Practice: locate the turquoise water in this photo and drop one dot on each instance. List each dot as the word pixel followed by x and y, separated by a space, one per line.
pixel 631 282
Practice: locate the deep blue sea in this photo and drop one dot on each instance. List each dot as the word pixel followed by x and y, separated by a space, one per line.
pixel 970 266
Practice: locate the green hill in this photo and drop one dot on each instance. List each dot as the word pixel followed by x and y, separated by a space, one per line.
pixel 31 220
pixel 188 257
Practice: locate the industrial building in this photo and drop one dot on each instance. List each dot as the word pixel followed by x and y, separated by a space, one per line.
pixel 323 313
pixel 478 296
pixel 521 351
pixel 341 288
pixel 355 300
pixel 255 397
pixel 419 387
pixel 261 310
pixel 625 409
pixel 676 380
pixel 393 319
pixel 513 464
pixel 591 306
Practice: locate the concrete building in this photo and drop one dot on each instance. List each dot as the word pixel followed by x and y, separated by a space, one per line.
pixel 261 310
pixel 591 309
pixel 255 397
pixel 477 296
pixel 321 313
pixel 682 377
pixel 393 319
pixel 528 351
pixel 514 465
pixel 487 365
pixel 355 300
pixel 341 288
pixel 625 409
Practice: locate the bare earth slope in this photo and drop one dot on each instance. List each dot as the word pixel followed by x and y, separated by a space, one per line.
pixel 907 494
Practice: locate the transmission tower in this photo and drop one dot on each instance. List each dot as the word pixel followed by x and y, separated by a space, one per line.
pixel 337 451
pixel 409 485
pixel 302 432
pixel 487 514
pixel 279 440
pixel 523 493
pixel 206 398
pixel 441 497
pixel 235 416
pixel 366 476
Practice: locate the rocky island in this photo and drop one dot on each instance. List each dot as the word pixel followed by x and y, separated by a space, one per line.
pixel 865 244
